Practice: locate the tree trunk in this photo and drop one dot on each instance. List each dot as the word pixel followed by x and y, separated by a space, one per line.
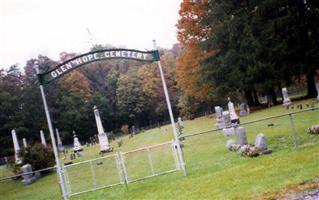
pixel 311 88
pixel 256 101
pixel 249 98
pixel 274 96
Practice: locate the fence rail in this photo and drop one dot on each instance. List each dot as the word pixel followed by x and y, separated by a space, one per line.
pixel 252 122
pixel 19 175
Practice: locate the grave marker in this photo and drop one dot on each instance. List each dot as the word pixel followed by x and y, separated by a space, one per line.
pixel 261 142
pixel 220 122
pixel 244 110
pixel 25 145
pixel 103 140
pixel 233 116
pixel 241 136
pixel 16 147
pixel 286 101
pixel 43 138
pixel 60 146
pixel 76 144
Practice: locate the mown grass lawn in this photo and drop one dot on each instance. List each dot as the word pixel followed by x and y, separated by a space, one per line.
pixel 213 172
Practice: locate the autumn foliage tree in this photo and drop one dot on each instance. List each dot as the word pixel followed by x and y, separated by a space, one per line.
pixel 188 64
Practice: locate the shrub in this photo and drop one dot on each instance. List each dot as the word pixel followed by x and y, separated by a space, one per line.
pixel 38 156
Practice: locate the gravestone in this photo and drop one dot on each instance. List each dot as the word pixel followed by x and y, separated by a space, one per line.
pixel 25 145
pixel 133 132
pixel 317 85
pixel 180 123
pixel 261 142
pixel 60 146
pixel 262 99
pixel 26 172
pixel 226 118
pixel 43 138
pixel 286 101
pixel 76 143
pixel 103 140
pixel 16 147
pixel 28 176
pixel 231 109
pixel 241 136
pixel 220 123
pixel 243 109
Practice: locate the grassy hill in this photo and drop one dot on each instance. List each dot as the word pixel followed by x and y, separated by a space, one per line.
pixel 213 172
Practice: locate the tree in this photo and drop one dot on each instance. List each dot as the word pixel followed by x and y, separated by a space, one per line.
pixel 130 100
pixel 188 64
pixel 255 44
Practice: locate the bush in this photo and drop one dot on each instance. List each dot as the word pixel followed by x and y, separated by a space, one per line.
pixel 38 156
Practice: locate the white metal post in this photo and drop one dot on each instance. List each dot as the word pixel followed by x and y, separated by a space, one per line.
pixel 177 143
pixel 58 166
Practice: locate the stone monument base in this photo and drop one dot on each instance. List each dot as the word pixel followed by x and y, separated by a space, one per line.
pixel 28 181
pixel 287 102
pixel 110 149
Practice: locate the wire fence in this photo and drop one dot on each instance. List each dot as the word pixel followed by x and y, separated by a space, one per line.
pixel 6 178
pixel 297 121
pixel 120 168
pixel 283 132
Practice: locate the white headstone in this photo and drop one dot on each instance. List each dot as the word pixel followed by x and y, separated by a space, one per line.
pixel 226 118
pixel 28 176
pixel 241 136
pixel 27 170
pixel 260 141
pixel 43 138
pixel 16 147
pixel 286 101
pixel 180 122
pixel 76 143
pixel 25 145
pixel 103 140
pixel 243 109
pixel 231 110
pixel 59 142
pixel 218 111
pixel 317 86
pixel 220 122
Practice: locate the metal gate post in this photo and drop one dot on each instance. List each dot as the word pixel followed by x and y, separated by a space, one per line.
pixel 55 151
pixel 177 142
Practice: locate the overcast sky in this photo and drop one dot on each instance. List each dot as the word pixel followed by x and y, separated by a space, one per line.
pixel 48 27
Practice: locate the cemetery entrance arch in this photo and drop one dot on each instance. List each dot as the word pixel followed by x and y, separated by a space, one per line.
pixel 58 71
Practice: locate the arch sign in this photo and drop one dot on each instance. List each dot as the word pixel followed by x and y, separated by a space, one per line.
pixel 73 63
